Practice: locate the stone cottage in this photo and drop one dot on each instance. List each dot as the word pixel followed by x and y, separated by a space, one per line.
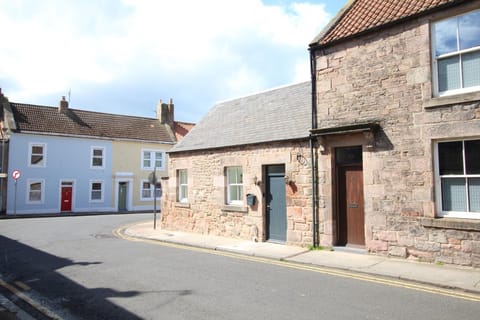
pixel 396 122
pixel 244 170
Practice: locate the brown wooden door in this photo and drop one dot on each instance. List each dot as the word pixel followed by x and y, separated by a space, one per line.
pixel 66 204
pixel 351 207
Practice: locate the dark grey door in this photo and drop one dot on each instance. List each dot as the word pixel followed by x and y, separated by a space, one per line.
pixel 276 204
pixel 122 196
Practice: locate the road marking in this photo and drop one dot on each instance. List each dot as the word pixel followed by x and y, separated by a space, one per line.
pixel 323 270
pixel 22 285
pixel 41 309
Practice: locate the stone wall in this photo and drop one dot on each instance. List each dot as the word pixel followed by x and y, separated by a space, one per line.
pixel 386 77
pixel 207 212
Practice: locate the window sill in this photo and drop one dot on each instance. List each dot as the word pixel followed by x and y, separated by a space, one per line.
pixel 185 205
pixel 453 99
pixel 233 208
pixel 451 223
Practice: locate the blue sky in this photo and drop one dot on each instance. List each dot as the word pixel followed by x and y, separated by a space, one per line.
pixel 123 56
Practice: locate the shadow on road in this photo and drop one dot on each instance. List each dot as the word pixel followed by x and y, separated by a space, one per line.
pixel 21 264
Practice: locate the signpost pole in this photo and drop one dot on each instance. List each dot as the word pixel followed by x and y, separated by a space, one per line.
pixel 15 199
pixel 154 198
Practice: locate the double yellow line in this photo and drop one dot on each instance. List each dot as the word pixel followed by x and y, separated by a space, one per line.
pixel 328 271
pixel 18 288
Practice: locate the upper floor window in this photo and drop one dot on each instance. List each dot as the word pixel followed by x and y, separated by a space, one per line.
pixel 98 156
pixel 234 185
pixel 37 155
pixel 182 185
pixel 151 158
pixel 458 178
pixel 456 54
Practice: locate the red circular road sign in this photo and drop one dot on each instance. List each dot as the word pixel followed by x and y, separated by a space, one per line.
pixel 15 174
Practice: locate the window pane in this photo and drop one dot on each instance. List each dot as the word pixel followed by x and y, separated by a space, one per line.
pixel 448 74
pixel 474 194
pixel 96 186
pixel 97 152
pixel 36 159
pixel 445 36
pixel 182 176
pixel 471 69
pixel 37 186
pixel 37 150
pixel 96 195
pixel 97 162
pixel 469 30
pixel 146 193
pixel 235 193
pixel 35 196
pixel 454 197
pixel 450 156
pixel 472 156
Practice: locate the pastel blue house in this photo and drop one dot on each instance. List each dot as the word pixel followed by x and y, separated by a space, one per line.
pixel 59 174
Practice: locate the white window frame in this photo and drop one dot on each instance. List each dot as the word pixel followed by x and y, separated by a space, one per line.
pixel 438 185
pixel 153 159
pixel 92 157
pixel 231 201
pixel 42 191
pixel 459 52
pixel 182 190
pixel 43 163
pixel 102 191
pixel 151 189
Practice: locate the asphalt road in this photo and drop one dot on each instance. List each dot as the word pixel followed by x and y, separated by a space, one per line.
pixel 75 268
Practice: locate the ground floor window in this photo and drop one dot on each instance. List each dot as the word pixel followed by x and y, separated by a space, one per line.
pixel 234 185
pixel 147 190
pixel 182 185
pixel 458 178
pixel 96 191
pixel 35 191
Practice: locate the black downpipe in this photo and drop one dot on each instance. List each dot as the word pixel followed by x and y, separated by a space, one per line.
pixel 313 160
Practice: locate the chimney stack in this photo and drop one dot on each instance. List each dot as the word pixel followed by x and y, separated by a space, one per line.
pixel 165 113
pixel 63 106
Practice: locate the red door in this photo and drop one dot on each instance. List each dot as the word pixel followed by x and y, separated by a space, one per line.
pixel 66 204
pixel 351 207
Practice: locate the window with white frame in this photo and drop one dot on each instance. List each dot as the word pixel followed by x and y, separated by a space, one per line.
pixel 456 54
pixel 35 192
pixel 147 190
pixel 98 157
pixel 234 185
pixel 458 178
pixel 96 191
pixel 151 158
pixel 182 176
pixel 37 155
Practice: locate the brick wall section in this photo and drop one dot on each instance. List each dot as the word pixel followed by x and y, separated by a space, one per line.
pixel 386 77
pixel 207 213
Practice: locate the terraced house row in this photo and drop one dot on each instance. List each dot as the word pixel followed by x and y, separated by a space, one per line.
pixel 72 160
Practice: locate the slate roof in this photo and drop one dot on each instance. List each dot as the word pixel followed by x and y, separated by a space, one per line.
pixel 73 122
pixel 276 115
pixel 359 16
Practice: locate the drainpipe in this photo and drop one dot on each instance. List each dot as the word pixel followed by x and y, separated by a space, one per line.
pixel 313 161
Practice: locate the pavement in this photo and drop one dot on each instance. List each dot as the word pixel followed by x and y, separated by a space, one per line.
pixel 443 276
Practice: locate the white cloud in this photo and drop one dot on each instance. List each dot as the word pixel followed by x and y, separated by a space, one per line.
pixel 241 46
